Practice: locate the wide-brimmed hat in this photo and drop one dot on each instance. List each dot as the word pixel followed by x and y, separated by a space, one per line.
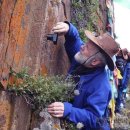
pixel 108 46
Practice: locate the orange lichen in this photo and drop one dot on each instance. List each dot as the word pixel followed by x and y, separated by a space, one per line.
pixel 4 78
pixel 4 83
pixel 56 126
pixel 19 30
pixel 43 70
pixel 14 80
pixel 5 112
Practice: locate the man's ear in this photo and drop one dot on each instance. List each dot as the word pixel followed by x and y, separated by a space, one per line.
pixel 95 62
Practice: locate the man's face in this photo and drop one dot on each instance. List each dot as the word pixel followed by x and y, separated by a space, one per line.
pixel 86 51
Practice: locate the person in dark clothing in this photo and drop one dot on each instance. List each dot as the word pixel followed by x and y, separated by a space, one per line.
pixel 121 58
pixel 94 91
pixel 126 77
pixel 121 61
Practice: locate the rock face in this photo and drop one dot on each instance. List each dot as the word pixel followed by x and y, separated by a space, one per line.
pixel 14 113
pixel 23 29
pixel 24 25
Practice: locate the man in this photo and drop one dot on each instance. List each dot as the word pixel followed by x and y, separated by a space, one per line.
pixel 121 61
pixel 126 77
pixel 90 104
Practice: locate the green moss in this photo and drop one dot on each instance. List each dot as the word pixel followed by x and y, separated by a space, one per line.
pixel 90 26
pixel 84 15
pixel 76 4
pixel 82 35
pixel 80 16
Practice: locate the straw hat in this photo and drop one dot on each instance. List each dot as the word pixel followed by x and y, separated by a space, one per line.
pixel 108 46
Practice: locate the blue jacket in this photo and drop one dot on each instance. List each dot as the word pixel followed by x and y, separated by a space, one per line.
pixel 89 107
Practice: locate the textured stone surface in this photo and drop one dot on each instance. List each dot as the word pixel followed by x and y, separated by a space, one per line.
pixel 21 115
pixel 14 113
pixel 103 15
pixel 5 111
pixel 24 25
pixel 46 122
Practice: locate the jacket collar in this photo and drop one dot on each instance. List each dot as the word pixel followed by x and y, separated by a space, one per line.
pixel 81 70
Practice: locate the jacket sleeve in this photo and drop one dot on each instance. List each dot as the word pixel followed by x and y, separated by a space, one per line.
pixel 73 42
pixel 77 115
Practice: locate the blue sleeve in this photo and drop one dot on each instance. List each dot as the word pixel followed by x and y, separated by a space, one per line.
pixel 73 42
pixel 77 115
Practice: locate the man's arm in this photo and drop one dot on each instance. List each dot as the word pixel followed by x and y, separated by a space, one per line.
pixel 73 41
pixel 74 114
pixel 90 115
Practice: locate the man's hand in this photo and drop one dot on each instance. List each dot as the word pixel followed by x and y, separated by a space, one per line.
pixel 56 109
pixel 61 28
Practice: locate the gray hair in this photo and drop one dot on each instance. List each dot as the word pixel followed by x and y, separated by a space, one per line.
pixel 98 56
